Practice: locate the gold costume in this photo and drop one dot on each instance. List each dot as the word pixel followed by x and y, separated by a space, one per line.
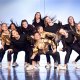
pixel 41 46
pixel 50 36
pixel 5 38
pixel 77 31
pixel 44 34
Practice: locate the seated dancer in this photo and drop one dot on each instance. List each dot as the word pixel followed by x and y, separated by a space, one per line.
pixel 41 47
pixel 19 43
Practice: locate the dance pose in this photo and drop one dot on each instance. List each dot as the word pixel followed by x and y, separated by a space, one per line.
pixel 41 46
pixel 19 43
pixel 5 41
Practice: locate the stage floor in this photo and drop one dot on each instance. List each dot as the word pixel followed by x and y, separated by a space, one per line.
pixel 19 73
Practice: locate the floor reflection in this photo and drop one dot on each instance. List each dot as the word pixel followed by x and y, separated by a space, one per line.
pixel 32 75
pixel 77 74
pixel 41 74
pixel 2 75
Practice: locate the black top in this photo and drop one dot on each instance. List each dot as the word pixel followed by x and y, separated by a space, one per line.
pixel 77 41
pixel 68 41
pixel 29 30
pixel 54 28
pixel 41 23
pixel 22 43
pixel 18 29
pixel 68 27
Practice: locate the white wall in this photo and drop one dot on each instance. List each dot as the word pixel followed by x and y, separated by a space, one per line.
pixel 25 9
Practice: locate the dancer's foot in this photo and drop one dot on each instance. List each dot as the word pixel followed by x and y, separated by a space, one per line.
pixel 15 64
pixel 48 66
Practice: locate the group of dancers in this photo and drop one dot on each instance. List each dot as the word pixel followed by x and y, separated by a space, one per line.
pixel 40 37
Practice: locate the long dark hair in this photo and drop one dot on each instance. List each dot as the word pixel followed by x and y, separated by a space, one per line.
pixel 73 19
pixel 35 16
pixel 24 21
pixel 52 19
pixel 12 24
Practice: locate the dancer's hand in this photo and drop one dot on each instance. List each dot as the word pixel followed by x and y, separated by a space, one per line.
pixel 54 51
pixel 32 57
pixel 60 49
pixel 2 47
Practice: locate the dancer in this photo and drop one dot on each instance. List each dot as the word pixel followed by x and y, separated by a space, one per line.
pixel 41 47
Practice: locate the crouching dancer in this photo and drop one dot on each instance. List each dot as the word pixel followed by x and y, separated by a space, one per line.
pixel 19 43
pixel 5 41
pixel 41 46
